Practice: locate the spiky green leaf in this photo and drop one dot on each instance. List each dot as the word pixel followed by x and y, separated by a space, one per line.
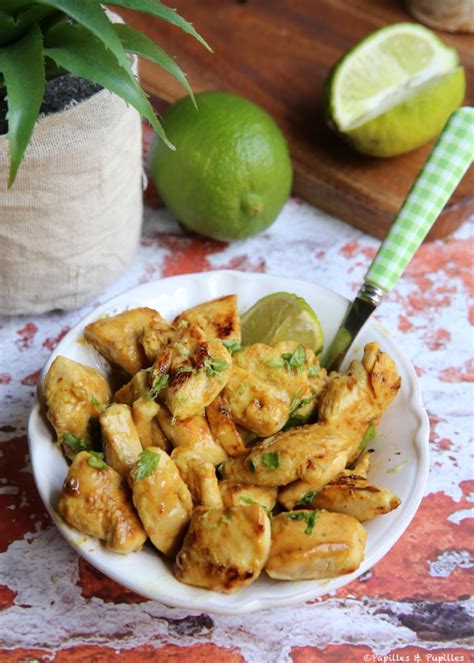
pixel 22 67
pixel 92 16
pixel 159 10
pixel 140 44
pixel 75 49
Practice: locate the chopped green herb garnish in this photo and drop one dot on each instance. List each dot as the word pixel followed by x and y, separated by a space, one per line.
pixel 295 361
pixel 296 404
pixel 271 459
pixel 214 366
pixel 307 499
pixel 96 459
pixel 158 382
pixel 313 371
pixel 147 462
pixel 232 346
pixel 184 369
pixel 183 350
pixel 251 465
pixel 77 444
pixel 183 324
pixel 308 516
pixel 368 437
pixel 247 500
pixel 276 363
pixel 243 386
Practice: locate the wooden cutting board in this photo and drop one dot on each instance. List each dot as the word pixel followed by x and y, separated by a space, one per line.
pixel 277 53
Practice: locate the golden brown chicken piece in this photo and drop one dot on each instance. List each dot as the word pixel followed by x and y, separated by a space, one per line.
pixel 252 405
pixel 269 384
pixel 313 453
pixel 120 438
pixel 161 498
pixel 75 395
pixel 243 494
pixel 223 428
pixel 314 544
pixel 144 412
pixel 218 318
pixel 317 453
pixel 189 432
pixel 118 338
pixel 95 501
pixel 197 467
pixel 138 387
pixel 353 495
pixel 157 335
pixel 224 549
pixel 197 371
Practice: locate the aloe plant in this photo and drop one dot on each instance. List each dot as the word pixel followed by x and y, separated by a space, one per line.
pixel 42 39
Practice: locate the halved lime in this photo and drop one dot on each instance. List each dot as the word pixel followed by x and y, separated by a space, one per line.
pixel 394 90
pixel 282 316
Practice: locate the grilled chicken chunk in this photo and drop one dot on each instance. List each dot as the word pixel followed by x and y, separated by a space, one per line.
pixel 144 412
pixel 353 495
pixel 75 395
pixel 224 549
pixel 268 385
pixel 120 438
pixel 223 428
pixel 313 453
pixel 156 336
pixel 197 466
pixel 314 544
pixel 217 318
pixel 198 370
pixel 189 432
pixel 94 501
pixel 137 387
pixel 252 405
pixel 349 405
pixel 118 338
pixel 161 498
pixel 243 494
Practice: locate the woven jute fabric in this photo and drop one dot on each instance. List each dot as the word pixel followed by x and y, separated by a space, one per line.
pixel 71 222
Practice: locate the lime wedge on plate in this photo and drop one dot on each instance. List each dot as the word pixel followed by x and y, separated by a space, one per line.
pixel 282 316
pixel 394 90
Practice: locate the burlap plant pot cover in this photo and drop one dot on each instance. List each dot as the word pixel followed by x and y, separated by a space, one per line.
pixel 71 222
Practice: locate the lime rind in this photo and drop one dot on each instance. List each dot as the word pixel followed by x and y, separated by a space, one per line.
pixel 383 70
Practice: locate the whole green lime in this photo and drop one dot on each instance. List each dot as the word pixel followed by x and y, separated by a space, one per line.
pixel 230 174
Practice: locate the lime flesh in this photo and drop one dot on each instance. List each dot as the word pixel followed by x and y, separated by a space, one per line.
pixel 282 316
pixel 394 90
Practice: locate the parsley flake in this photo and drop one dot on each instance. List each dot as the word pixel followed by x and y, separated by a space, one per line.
pixel 96 459
pixel 232 346
pixel 295 361
pixel 247 500
pixel 147 462
pixel 182 349
pixel 214 366
pixel 77 444
pixel 184 369
pixel 307 499
pixel 313 371
pixel 308 516
pixel 271 459
pixel 183 324
pixel 368 437
pixel 158 382
pixel 276 363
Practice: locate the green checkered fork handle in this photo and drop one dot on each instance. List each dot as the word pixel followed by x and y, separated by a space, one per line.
pixel 445 167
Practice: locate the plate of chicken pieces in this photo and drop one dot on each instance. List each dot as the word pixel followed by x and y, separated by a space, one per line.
pixel 215 476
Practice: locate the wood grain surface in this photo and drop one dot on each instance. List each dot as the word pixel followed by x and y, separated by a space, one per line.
pixel 277 53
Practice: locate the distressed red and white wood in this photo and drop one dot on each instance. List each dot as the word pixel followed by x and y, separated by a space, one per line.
pixel 415 603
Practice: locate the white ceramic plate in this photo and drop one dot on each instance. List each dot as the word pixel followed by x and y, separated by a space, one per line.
pixel 400 461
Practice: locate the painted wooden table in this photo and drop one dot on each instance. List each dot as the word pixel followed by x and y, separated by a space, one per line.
pixel 412 606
